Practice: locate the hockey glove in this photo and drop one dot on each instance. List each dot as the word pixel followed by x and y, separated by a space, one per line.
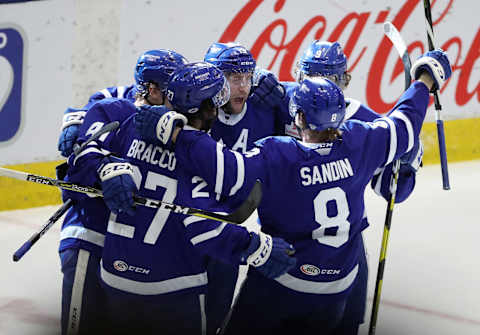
pixel 266 89
pixel 156 123
pixel 118 185
pixel 436 63
pixel 271 256
pixel 72 119
pixel 412 160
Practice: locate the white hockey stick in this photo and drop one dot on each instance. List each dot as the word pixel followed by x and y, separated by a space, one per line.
pixel 394 36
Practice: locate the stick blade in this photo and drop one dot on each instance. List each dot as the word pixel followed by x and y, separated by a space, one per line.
pixel 248 206
pixel 394 36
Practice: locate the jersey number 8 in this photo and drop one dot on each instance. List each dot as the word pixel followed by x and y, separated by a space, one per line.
pixel 326 234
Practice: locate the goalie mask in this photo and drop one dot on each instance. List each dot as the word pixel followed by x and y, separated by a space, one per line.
pixel 230 57
pixel 194 83
pixel 321 101
pixel 156 66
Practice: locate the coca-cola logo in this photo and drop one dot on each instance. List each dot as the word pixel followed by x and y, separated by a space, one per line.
pixel 355 24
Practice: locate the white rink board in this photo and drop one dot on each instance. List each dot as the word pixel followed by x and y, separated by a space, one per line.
pixel 76 47
pixel 431 275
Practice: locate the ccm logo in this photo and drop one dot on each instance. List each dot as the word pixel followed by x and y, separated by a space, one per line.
pixel 312 270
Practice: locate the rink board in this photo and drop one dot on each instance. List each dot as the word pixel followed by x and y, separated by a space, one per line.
pixel 461 136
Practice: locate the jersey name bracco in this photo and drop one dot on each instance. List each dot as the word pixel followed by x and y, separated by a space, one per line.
pixel 157 251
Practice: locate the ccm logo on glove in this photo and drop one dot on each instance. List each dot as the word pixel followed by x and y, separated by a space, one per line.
pixel 111 170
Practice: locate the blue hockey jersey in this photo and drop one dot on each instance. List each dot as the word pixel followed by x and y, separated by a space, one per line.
pixel 355 110
pixel 313 194
pixel 76 231
pixel 157 251
pixel 240 131
pixel 119 92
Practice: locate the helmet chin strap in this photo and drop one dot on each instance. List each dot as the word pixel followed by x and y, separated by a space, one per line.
pixel 300 129
pixel 227 108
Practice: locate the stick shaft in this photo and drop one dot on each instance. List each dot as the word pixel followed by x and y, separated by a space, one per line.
pixel 438 107
pixel 36 236
pixel 237 217
pixel 395 37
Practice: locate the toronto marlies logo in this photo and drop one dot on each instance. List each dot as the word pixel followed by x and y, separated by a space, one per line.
pixel 11 70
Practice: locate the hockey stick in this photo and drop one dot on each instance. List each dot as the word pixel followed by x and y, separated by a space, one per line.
pixel 67 204
pixel 438 107
pixel 394 36
pixel 238 216
pixel 35 237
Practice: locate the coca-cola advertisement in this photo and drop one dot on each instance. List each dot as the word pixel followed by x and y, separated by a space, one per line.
pixel 277 32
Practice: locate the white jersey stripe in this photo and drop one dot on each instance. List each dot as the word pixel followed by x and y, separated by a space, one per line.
pixel 408 125
pixel 121 91
pixel 83 234
pixel 91 150
pixel 153 288
pixel 378 184
pixel 203 315
pixel 220 169
pixel 77 292
pixel 352 108
pixel 105 93
pixel 118 228
pixel 208 235
pixel 393 139
pixel 192 219
pixel 331 287
pixel 240 173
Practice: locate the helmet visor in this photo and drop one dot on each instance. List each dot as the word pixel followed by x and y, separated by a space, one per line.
pixel 222 96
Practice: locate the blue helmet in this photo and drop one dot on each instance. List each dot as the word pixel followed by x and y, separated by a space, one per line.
pixel 194 83
pixel 156 66
pixel 230 57
pixel 323 58
pixel 321 101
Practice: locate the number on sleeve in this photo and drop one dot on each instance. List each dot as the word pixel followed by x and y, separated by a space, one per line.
pixel 197 190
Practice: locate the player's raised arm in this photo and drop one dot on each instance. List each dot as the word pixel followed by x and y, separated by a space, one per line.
pixel 389 137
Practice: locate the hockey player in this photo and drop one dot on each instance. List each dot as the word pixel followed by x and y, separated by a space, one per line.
pixel 154 263
pixel 324 175
pixel 242 120
pixel 73 117
pixel 326 59
pixel 83 231
pixel 240 123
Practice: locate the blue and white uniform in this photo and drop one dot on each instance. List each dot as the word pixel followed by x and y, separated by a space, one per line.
pixel 324 216
pixel 240 131
pixel 81 243
pixel 156 260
